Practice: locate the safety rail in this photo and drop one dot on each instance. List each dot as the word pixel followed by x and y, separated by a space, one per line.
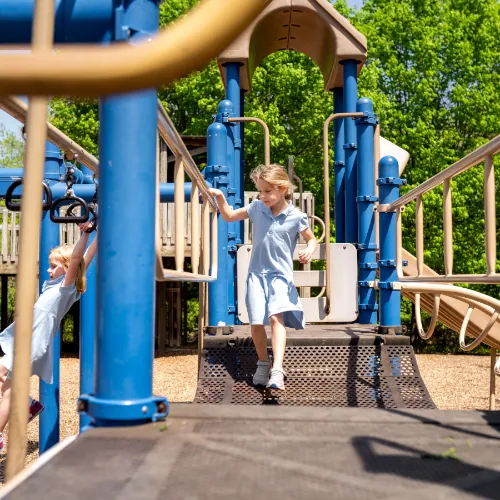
pixel 18 110
pixel 437 285
pixel 484 153
pixel 203 217
pixel 326 182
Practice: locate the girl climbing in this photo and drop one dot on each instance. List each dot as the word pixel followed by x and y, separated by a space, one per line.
pixel 271 297
pixel 67 267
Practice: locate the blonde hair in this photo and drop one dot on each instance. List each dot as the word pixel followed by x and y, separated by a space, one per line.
pixel 273 174
pixel 63 255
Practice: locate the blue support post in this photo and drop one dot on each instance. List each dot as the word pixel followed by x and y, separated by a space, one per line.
pixel 82 21
pixel 233 92
pixel 216 173
pixel 367 247
pixel 49 239
pixel 350 99
pixel 339 168
pixel 390 299
pixel 242 160
pixel 88 329
pixel 126 248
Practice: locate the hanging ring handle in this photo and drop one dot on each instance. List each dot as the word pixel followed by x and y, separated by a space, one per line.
pixel 75 202
pixel 16 206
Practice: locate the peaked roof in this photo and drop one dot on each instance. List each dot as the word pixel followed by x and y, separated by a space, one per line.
pixel 313 27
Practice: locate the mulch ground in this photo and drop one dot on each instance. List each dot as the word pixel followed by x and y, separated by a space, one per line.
pixel 459 382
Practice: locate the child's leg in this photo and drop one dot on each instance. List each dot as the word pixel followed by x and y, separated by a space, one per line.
pixel 278 340
pixel 260 341
pixel 5 404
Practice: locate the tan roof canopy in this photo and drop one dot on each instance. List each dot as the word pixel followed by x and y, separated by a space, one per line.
pixel 312 27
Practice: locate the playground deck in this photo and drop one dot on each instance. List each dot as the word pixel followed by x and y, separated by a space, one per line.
pixel 397 445
pixel 247 452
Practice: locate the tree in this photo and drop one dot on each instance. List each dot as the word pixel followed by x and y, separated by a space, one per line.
pixel 11 149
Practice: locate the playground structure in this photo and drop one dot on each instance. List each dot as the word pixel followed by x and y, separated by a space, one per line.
pixel 304 451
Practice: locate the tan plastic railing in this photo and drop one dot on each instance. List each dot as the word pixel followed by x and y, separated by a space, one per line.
pixel 203 219
pixel 43 32
pixel 184 46
pixel 484 153
pixel 436 285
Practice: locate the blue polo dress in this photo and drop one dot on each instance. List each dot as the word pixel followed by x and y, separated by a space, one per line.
pixel 50 308
pixel 269 288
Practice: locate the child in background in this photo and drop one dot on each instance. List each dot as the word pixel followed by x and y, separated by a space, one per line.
pixel 67 267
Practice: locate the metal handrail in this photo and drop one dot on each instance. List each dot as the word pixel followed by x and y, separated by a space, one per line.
pixel 186 45
pixel 203 236
pixel 484 153
pixel 472 159
pixel 169 134
pixel 326 179
pixel 17 109
pixel 263 124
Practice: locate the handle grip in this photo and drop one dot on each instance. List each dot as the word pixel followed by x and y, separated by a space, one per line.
pixel 75 202
pixel 16 206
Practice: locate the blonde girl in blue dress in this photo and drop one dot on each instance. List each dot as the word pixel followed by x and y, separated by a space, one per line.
pixel 67 267
pixel 271 296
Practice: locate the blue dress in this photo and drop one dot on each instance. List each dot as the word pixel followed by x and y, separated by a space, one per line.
pixel 50 308
pixel 269 287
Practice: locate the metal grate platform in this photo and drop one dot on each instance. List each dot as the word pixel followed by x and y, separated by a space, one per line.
pixel 371 376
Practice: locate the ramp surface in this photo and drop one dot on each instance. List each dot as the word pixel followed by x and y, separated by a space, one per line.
pixel 330 365
pixel 241 452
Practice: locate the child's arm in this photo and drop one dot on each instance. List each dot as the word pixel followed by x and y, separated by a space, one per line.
pixel 90 253
pixel 305 256
pixel 76 258
pixel 227 212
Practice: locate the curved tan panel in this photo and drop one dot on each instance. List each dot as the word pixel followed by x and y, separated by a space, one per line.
pixel 312 27
pixel 93 70
pixel 452 310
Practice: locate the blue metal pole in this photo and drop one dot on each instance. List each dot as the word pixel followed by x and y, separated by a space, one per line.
pixel 88 329
pixel 216 173
pixel 339 169
pixel 390 299
pixel 350 99
pixel 367 247
pixel 81 21
pixel 86 191
pixel 233 92
pixel 126 250
pixel 49 393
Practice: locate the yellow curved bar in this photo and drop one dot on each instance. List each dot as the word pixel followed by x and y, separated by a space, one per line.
pixel 93 70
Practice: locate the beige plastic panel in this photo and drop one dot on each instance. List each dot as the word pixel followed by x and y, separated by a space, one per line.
pixel 344 273
pixel 313 27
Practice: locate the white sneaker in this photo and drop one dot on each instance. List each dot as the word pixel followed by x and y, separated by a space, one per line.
pixel 277 380
pixel 261 375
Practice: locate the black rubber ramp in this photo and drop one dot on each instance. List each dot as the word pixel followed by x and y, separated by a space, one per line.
pixel 228 452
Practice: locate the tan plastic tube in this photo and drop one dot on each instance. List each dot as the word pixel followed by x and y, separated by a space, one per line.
pixel 43 33
pixel 184 46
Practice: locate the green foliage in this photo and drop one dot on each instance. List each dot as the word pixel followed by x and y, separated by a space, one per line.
pixel 77 119
pixel 11 149
pixel 193 312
